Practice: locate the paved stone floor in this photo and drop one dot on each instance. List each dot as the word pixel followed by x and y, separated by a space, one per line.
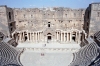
pixel 48 45
pixel 31 58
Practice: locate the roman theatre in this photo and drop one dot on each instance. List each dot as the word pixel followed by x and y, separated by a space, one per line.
pixel 54 36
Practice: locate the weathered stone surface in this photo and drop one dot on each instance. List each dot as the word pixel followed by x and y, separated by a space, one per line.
pixel 50 20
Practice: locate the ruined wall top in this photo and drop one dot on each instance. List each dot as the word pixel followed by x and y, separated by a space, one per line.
pixel 50 9
pixel 95 6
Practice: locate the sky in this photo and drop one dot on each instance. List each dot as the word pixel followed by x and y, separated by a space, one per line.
pixel 47 3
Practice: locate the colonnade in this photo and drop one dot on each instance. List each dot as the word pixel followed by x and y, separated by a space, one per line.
pixel 29 36
pixel 60 36
pixel 65 36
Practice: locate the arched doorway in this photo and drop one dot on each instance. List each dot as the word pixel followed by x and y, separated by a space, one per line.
pixel 74 36
pixel 49 37
pixel 25 36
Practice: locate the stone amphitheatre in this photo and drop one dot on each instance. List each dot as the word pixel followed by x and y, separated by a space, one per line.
pixel 57 36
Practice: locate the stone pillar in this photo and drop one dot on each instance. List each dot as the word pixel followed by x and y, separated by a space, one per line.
pixel 70 36
pixel 76 37
pixel 27 36
pixel 20 37
pixel 67 37
pixel 33 36
pixel 57 35
pixel 79 38
pixel 61 36
pixel 30 36
pixel 64 36
pixel 85 35
pixel 17 38
pixel 23 37
pixel 38 36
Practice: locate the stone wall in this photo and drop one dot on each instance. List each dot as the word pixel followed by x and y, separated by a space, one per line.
pixel 60 17
pixel 7 24
pixel 94 18
pixel 3 20
pixel 50 19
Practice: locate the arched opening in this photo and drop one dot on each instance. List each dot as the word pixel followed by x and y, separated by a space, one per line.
pixel 74 36
pixel 81 37
pixel 9 15
pixel 49 34
pixel 16 36
pixel 48 24
pixel 25 36
pixel 49 37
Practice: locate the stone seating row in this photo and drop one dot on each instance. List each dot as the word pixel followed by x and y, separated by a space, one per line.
pixel 96 62
pixel 85 55
pixel 9 55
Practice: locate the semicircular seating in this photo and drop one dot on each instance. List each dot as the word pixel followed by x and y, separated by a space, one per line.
pixel 85 55
pixel 9 55
pixel 88 55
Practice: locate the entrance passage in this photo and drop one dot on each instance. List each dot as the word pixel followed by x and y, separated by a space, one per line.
pixel 49 37
pixel 25 38
pixel 73 38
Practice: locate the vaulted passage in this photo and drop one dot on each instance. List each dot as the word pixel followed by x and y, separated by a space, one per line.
pixel 25 38
pixel 74 36
pixel 49 37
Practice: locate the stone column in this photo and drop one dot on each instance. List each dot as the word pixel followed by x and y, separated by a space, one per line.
pixel 38 36
pixel 57 35
pixel 67 37
pixel 23 37
pixel 17 38
pixel 27 36
pixel 76 37
pixel 85 35
pixel 20 37
pixel 79 37
pixel 33 36
pixel 30 36
pixel 61 36
pixel 64 36
pixel 70 36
